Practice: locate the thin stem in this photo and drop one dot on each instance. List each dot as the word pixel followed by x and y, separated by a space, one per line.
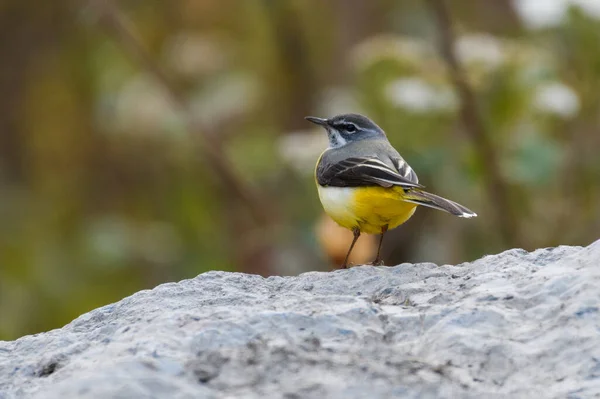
pixel 497 188
pixel 115 25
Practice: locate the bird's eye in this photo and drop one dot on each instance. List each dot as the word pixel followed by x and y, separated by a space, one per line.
pixel 349 127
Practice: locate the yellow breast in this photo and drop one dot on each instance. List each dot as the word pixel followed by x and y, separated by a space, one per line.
pixel 368 208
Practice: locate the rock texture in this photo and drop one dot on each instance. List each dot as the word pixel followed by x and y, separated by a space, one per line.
pixel 517 324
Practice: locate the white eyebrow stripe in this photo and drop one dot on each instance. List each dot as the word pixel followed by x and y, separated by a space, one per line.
pixel 340 124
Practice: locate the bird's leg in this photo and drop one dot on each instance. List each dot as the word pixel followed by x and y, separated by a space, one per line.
pixel 378 261
pixel 356 232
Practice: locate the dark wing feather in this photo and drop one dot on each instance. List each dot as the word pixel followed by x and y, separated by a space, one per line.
pixel 405 170
pixel 358 171
pixel 436 202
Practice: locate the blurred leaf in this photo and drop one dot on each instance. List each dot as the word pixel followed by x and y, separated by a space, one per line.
pixel 535 161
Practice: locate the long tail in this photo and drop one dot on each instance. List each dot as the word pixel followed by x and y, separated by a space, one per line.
pixel 433 201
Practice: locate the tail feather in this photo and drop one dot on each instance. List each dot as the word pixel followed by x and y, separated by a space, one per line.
pixel 433 201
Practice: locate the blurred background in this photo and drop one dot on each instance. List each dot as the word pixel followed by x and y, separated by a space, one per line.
pixel 146 141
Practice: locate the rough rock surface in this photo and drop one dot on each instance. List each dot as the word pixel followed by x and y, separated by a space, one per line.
pixel 517 324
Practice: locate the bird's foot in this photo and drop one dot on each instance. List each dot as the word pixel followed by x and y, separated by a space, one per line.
pixel 341 267
pixel 377 262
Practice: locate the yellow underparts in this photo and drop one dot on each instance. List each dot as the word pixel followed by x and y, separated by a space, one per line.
pixel 368 208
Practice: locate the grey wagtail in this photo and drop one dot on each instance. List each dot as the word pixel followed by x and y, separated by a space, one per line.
pixel 364 184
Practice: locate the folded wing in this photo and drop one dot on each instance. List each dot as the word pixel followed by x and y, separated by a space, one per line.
pixel 359 171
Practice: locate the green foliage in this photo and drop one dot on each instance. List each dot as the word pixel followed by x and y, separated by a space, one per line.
pixel 105 188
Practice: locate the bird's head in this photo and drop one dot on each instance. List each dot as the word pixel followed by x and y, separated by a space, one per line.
pixel 347 128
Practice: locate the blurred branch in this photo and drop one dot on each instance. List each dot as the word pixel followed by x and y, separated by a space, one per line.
pixel 111 20
pixel 497 188
pixel 299 80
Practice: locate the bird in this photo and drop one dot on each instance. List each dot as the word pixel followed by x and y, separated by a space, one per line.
pixel 365 185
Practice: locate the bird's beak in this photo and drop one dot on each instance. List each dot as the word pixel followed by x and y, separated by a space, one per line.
pixel 317 121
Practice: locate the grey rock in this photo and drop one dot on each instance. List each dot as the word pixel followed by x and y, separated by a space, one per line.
pixel 517 324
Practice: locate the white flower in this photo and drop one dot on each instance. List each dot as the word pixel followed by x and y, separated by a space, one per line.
pixel 301 149
pixel 192 54
pixel 590 7
pixel 225 97
pixel 558 99
pixel 480 49
pixel 380 47
pixel 537 14
pixel 109 238
pixel 418 96
pixel 142 106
